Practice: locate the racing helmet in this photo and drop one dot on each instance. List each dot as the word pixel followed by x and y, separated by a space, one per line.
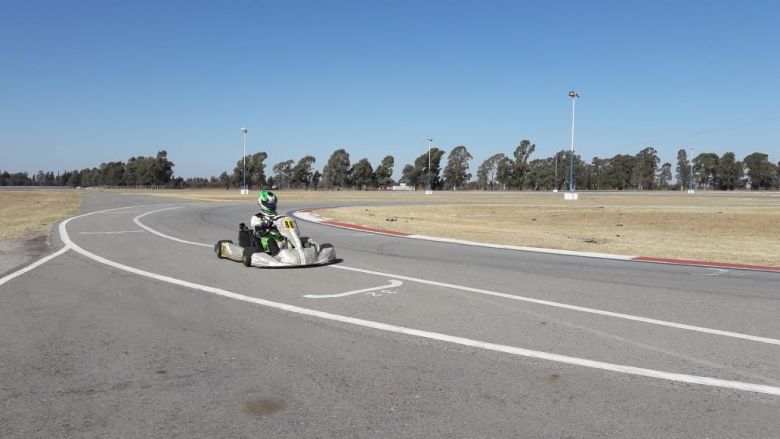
pixel 267 202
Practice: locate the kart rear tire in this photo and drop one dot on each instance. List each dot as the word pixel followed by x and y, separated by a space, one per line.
pixel 218 247
pixel 246 257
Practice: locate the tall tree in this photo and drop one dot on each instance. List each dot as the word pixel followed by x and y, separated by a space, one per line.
pixel 162 168
pixel 599 168
pixel 256 169
pixel 363 174
pixel 760 170
pixel 410 176
pixel 522 153
pixel 706 165
pixel 336 171
pixel 421 172
pixel 505 173
pixel 486 174
pixel 224 180
pixel 456 172
pixel 683 169
pixel 302 172
pixel 621 171
pixel 646 168
pixel 384 172
pixel 315 179
pixel 729 172
pixel 283 172
pixel 665 175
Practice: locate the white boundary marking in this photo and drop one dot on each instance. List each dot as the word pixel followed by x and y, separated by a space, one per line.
pixel 691 379
pixel 137 221
pixel 571 307
pixel 34 265
pixel 394 283
pixel 119 232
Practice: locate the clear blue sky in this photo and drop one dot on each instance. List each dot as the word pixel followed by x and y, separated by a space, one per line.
pixel 85 82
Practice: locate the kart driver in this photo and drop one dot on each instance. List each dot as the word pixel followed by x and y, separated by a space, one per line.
pixel 263 222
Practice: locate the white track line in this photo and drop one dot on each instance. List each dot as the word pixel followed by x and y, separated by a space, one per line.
pixel 394 283
pixel 524 299
pixel 118 232
pixel 571 307
pixel 683 378
pixel 34 265
pixel 137 221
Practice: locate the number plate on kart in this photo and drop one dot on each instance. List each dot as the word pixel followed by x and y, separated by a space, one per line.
pixel 289 224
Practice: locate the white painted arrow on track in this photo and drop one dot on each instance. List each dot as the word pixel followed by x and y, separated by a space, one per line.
pixel 393 284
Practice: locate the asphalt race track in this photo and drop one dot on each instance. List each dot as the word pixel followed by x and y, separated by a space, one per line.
pixel 138 330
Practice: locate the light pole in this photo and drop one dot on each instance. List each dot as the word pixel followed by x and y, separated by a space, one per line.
pixel 244 190
pixel 571 195
pixel 555 181
pixel 429 191
pixel 690 187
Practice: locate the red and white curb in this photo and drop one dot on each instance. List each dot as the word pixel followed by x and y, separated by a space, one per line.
pixel 311 216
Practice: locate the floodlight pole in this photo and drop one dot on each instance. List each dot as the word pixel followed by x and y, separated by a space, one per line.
pixel 244 190
pixel 573 95
pixel 690 187
pixel 572 195
pixel 429 191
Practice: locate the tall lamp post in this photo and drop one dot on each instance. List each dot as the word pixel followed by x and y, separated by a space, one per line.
pixel 690 187
pixel 429 191
pixel 244 190
pixel 571 195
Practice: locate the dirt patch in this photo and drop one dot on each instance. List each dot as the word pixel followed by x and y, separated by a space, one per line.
pixel 263 407
pixel 26 217
pixel 26 214
pixel 16 254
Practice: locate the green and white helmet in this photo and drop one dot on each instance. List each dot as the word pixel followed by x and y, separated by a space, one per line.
pixel 267 202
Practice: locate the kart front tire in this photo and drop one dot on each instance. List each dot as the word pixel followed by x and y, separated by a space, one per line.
pixel 246 257
pixel 218 247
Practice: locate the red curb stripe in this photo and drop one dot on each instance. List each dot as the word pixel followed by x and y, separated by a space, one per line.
pixel 364 228
pixel 705 264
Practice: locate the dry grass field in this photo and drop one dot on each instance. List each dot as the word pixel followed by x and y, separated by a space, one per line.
pixel 723 227
pixel 30 213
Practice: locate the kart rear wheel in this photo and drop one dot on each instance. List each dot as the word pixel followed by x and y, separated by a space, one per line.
pixel 246 257
pixel 218 247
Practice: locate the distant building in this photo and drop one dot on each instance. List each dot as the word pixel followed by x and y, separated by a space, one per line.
pixel 403 187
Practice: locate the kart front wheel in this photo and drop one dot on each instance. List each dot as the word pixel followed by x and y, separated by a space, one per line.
pixel 218 247
pixel 246 257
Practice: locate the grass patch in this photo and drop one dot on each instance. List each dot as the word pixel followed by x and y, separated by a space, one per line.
pixel 27 214
pixel 723 229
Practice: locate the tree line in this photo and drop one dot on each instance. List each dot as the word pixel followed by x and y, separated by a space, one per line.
pixel 138 171
pixel 516 171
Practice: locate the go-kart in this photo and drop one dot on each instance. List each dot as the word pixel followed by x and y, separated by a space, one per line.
pixel 289 250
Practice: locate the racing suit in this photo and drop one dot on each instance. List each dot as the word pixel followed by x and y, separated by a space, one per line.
pixel 264 228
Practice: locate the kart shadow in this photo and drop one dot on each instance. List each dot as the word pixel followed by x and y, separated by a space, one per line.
pixel 335 261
